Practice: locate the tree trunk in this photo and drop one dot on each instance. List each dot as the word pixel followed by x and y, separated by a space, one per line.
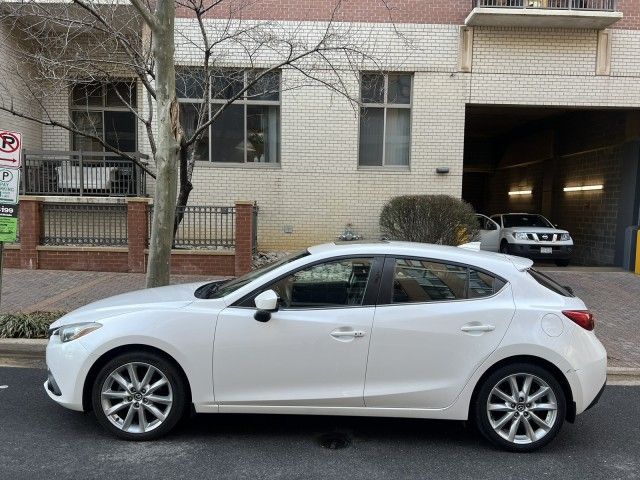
pixel 185 186
pixel 164 204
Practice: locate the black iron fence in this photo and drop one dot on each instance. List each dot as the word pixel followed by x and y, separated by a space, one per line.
pixel 78 173
pixel 85 224
pixel 204 227
pixel 600 5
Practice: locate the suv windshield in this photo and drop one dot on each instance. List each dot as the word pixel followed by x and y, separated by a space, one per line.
pixel 524 220
pixel 220 289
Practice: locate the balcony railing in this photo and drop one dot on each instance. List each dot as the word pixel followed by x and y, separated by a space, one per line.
pixel 78 173
pixel 597 5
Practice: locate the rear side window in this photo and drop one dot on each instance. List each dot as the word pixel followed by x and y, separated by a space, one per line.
pixel 550 283
pixel 419 281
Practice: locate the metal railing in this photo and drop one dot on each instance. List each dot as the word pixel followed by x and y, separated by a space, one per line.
pixel 204 227
pixel 599 5
pixel 79 173
pixel 87 224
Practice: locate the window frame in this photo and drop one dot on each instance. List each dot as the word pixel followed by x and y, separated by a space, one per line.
pixel 385 105
pixel 370 295
pixel 385 295
pixel 104 108
pixel 246 102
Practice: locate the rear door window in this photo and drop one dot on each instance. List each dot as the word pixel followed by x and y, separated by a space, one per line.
pixel 421 280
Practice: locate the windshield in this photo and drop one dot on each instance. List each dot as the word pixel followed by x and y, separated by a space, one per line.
pixel 219 290
pixel 524 220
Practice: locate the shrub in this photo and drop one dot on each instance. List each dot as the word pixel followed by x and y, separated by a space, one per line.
pixel 439 219
pixel 27 325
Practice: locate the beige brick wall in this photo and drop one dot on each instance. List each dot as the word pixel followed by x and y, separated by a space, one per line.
pixel 318 187
pixel 13 93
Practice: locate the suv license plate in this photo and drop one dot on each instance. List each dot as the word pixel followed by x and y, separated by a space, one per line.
pixel 546 250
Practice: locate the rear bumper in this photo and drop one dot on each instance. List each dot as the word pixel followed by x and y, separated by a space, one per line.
pixel 595 400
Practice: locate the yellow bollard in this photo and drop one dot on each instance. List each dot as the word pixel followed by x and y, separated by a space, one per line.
pixel 638 254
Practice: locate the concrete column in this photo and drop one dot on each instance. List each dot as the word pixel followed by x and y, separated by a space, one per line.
pixel 244 237
pixel 31 226
pixel 137 232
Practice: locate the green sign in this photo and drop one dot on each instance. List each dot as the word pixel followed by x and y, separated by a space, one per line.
pixel 8 223
pixel 8 229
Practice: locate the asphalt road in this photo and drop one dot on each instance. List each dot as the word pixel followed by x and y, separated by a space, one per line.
pixel 39 439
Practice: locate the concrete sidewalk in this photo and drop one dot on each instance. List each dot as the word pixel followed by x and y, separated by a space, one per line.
pixel 614 296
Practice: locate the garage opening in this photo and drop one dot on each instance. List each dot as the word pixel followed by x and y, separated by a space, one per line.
pixel 577 167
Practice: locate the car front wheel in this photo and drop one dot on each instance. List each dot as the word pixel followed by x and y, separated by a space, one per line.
pixel 138 396
pixel 520 407
pixel 504 247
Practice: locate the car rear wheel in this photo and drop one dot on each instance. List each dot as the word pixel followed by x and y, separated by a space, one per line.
pixel 139 396
pixel 520 407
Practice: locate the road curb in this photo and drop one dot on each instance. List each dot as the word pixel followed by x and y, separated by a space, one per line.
pixel 21 348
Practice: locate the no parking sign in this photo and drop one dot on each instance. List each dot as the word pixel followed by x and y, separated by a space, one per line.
pixel 10 149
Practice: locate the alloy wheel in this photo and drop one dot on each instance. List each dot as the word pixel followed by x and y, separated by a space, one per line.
pixel 136 397
pixel 522 408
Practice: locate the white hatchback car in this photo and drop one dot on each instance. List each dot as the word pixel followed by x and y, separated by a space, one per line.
pixel 375 329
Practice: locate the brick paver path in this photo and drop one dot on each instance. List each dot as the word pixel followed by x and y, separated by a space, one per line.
pixel 53 290
pixel 613 296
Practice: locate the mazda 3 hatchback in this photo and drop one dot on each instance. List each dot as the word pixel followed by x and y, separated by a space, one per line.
pixel 387 329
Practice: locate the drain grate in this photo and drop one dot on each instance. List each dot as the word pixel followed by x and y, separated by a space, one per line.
pixel 334 441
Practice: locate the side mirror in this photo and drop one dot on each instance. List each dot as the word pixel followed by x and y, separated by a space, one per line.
pixel 266 303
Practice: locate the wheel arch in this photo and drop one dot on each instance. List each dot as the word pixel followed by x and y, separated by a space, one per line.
pixel 114 352
pixel 538 361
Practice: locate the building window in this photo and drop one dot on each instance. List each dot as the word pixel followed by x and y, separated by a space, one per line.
pixel 248 130
pixel 103 110
pixel 385 119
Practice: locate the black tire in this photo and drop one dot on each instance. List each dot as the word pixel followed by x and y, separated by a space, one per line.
pixel 504 247
pixel 562 263
pixel 482 415
pixel 177 390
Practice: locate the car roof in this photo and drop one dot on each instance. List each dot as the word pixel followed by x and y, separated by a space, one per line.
pixel 482 259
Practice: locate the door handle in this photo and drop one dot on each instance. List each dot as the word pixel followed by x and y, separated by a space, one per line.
pixel 347 333
pixel 478 328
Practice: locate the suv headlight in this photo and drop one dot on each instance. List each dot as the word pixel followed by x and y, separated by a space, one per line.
pixel 521 236
pixel 565 237
pixel 76 330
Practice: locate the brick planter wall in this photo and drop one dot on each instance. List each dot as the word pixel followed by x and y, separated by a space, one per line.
pixel 30 254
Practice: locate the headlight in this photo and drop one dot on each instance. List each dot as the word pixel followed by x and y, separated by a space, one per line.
pixel 564 237
pixel 521 236
pixel 76 330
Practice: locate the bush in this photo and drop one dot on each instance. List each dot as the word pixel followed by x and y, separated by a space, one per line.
pixel 27 325
pixel 439 219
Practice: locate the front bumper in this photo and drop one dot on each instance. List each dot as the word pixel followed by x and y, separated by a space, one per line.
pixel 534 251
pixel 67 365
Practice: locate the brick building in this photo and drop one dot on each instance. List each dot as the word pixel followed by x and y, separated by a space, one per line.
pixel 502 95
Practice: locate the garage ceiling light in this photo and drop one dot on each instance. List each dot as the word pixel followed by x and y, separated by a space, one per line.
pixel 520 192
pixel 583 188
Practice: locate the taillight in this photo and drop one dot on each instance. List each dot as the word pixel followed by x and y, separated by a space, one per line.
pixel 584 318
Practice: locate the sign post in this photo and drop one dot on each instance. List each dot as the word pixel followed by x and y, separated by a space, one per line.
pixel 10 159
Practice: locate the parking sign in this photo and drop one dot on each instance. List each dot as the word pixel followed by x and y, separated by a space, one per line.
pixel 9 185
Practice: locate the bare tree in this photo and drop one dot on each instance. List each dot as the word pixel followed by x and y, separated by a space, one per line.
pixel 95 42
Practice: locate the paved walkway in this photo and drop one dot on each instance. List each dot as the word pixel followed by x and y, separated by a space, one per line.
pixel 53 290
pixel 614 296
